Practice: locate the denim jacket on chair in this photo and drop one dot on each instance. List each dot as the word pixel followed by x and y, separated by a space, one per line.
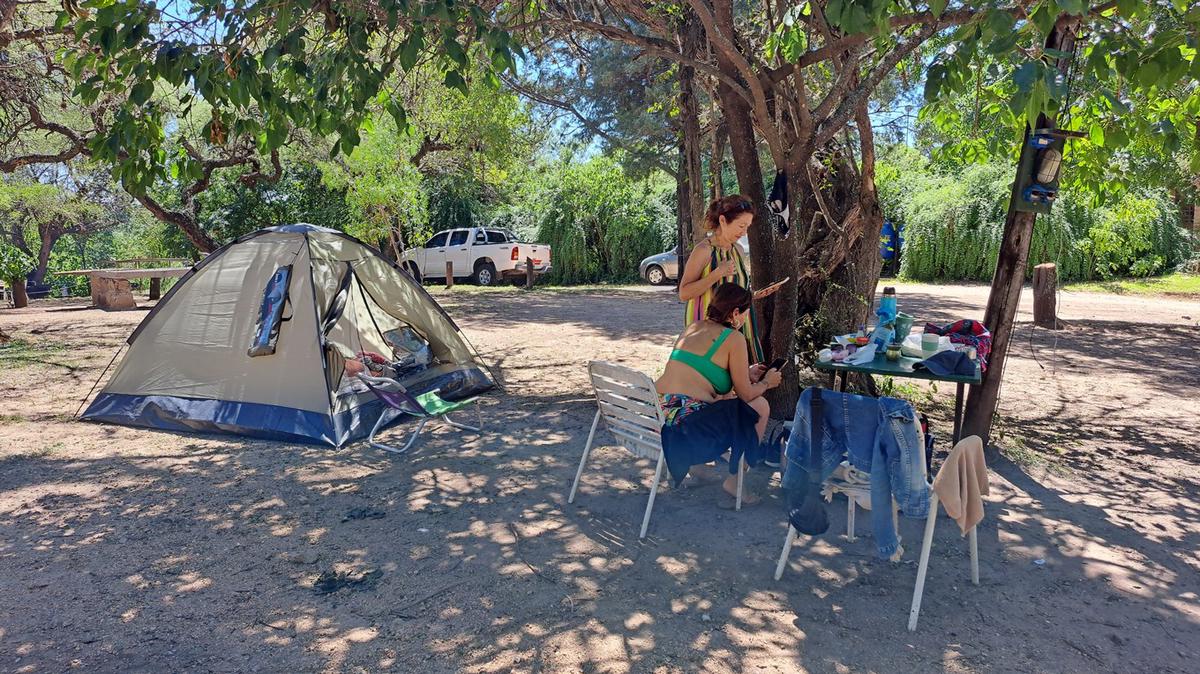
pixel 879 436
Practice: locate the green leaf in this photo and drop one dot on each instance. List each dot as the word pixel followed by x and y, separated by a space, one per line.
pixel 1004 43
pixel 398 113
pixel 1096 135
pixel 1149 74
pixel 411 50
pixel 1044 18
pixel 455 51
pixel 1129 8
pixel 455 80
pixel 1073 7
pixel 1025 76
pixel 141 92
pixel 938 7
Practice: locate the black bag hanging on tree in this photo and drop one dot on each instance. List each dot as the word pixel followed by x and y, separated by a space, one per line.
pixel 778 203
pixel 810 517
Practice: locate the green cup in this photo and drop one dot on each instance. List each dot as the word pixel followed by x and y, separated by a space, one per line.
pixel 904 324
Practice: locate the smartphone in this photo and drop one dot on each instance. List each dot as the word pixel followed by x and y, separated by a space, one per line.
pixel 776 284
pixel 777 364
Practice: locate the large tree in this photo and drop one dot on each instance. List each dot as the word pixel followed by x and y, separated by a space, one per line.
pixel 797 77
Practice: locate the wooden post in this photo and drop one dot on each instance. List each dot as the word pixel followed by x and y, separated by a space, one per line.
pixel 449 274
pixel 1010 267
pixel 529 273
pixel 1045 287
pixel 155 287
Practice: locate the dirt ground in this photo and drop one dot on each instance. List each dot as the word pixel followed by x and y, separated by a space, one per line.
pixel 125 550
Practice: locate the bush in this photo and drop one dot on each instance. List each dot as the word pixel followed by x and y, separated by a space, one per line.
pixel 954 225
pixel 600 224
pixel 15 264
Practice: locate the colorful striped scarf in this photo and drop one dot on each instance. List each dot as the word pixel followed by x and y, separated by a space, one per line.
pixel 697 307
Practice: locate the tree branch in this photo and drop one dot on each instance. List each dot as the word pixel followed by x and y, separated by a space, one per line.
pixel 829 127
pixel 655 46
pixel 726 48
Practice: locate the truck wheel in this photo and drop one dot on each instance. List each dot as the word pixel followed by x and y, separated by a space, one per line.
pixel 655 275
pixel 485 274
pixel 413 271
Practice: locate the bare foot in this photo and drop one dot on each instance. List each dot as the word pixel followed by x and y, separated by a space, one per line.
pixel 730 487
pixel 703 474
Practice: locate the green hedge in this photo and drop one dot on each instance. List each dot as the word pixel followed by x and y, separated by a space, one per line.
pixel 953 224
pixel 600 224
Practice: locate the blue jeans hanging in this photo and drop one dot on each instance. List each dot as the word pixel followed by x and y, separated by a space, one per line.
pixel 879 436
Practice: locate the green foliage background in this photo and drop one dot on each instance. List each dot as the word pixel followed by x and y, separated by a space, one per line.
pixel 954 219
pixel 599 223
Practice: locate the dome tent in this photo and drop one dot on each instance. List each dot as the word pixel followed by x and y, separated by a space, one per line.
pixel 301 299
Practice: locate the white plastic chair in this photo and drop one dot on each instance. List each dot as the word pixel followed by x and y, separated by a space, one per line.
pixel 927 543
pixel 628 402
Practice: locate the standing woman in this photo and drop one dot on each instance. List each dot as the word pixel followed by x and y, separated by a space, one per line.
pixel 719 259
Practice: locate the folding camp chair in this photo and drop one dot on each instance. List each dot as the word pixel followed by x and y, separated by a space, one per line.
pixel 426 407
pixel 628 402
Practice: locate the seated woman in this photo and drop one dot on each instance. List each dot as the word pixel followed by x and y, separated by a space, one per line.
pixel 711 395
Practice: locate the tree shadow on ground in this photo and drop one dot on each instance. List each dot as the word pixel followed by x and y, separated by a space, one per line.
pixel 149 550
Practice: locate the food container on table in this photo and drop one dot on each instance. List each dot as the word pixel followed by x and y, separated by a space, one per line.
pixel 929 343
pixel 893 352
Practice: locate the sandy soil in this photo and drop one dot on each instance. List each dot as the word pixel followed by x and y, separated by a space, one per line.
pixel 125 550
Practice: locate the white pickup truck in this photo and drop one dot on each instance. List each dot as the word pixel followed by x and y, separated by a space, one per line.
pixel 480 253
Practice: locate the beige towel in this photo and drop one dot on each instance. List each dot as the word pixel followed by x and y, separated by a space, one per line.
pixel 962 482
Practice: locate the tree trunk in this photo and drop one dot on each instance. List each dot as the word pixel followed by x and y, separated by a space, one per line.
pixel 1009 276
pixel 49 238
pixel 691 180
pixel 20 297
pixel 716 165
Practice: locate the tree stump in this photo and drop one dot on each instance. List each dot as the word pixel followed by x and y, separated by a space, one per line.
pixel 111 294
pixel 529 273
pixel 449 274
pixel 155 287
pixel 1045 297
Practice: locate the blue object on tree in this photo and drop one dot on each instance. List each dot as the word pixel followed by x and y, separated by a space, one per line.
pixel 891 240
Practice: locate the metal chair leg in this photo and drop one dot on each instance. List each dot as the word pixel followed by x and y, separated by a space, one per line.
pixel 407 446
pixel 851 512
pixel 653 491
pixel 923 567
pixel 446 418
pixel 787 550
pixel 587 448
pixel 741 476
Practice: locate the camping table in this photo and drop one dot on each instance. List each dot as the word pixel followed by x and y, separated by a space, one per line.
pixel 902 368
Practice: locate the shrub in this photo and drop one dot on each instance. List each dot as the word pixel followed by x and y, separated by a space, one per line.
pixel 15 263
pixel 599 223
pixel 954 224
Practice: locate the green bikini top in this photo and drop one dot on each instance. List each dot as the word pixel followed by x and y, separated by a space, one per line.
pixel 716 375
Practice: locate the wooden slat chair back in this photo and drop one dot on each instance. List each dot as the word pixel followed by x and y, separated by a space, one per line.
pixel 628 403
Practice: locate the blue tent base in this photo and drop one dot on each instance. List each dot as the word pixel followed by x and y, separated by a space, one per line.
pixel 256 420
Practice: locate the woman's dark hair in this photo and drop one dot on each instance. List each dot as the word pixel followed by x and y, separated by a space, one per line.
pixel 729 297
pixel 727 206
